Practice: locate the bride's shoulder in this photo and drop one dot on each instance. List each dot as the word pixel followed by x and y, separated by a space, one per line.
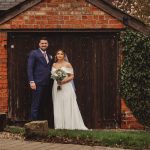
pixel 54 65
pixel 68 65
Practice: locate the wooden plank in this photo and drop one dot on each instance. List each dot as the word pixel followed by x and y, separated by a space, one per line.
pixel 2 121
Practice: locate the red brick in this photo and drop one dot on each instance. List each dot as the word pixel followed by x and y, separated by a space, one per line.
pixel 3 73
pixel 108 16
pixel 3 86
pixel 51 26
pixel 128 120
pixel 102 21
pixel 53 17
pixel 38 17
pixel 101 17
pixel 3 56
pixel 72 22
pixel 118 26
pixel 89 17
pixel 4 108
pixel 52 22
pixel 66 17
pixel 3 81
pixel 65 26
pixel 136 125
pixel 30 22
pixel 3 51
pixel 113 21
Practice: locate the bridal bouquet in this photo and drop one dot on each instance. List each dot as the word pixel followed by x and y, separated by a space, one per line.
pixel 59 75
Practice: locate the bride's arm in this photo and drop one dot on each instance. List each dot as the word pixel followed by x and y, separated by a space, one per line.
pixel 70 74
pixel 67 79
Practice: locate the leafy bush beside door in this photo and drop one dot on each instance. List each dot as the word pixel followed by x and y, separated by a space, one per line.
pixel 135 74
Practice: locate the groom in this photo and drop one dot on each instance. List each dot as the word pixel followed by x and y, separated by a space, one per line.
pixel 39 70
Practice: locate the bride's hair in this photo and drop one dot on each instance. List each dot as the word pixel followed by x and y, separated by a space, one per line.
pixel 65 55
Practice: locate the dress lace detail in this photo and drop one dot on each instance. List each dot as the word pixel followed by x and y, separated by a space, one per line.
pixel 66 111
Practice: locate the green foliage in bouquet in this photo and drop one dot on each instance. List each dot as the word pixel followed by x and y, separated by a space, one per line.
pixel 135 74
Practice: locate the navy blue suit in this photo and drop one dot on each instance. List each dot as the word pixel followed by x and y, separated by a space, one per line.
pixel 39 72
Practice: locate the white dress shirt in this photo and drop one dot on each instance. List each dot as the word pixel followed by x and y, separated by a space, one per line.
pixel 45 55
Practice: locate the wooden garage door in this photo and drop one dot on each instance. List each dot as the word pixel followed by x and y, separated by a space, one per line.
pixel 94 57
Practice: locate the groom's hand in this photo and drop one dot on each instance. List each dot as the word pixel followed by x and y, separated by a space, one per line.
pixel 33 86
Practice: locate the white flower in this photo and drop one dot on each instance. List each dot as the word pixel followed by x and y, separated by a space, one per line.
pixel 55 74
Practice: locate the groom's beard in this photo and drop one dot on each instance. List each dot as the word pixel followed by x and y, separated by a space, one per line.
pixel 43 49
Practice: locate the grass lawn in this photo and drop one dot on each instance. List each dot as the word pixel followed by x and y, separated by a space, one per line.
pixel 113 138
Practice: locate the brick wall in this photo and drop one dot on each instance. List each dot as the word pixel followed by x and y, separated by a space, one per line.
pixel 128 120
pixel 3 73
pixel 63 14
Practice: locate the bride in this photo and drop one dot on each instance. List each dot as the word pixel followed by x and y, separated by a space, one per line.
pixel 66 111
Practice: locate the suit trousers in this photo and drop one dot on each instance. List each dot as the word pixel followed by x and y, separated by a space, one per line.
pixel 36 100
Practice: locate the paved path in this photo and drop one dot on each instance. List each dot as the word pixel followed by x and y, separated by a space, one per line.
pixel 10 144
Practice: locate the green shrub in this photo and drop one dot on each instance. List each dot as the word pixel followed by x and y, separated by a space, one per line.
pixel 135 74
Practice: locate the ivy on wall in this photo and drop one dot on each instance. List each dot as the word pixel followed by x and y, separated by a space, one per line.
pixel 135 74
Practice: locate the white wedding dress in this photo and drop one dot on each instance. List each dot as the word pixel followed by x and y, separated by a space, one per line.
pixel 66 111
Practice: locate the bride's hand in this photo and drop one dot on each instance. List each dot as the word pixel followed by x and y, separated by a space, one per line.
pixel 59 82
pixel 63 81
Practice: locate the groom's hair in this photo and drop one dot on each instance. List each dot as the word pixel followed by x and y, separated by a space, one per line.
pixel 43 38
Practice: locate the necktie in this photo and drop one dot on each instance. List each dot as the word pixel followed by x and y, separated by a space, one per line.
pixel 46 58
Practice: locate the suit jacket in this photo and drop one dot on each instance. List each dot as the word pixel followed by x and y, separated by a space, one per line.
pixel 38 69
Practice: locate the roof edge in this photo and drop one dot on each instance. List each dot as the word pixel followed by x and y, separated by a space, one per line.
pixel 14 11
pixel 125 18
